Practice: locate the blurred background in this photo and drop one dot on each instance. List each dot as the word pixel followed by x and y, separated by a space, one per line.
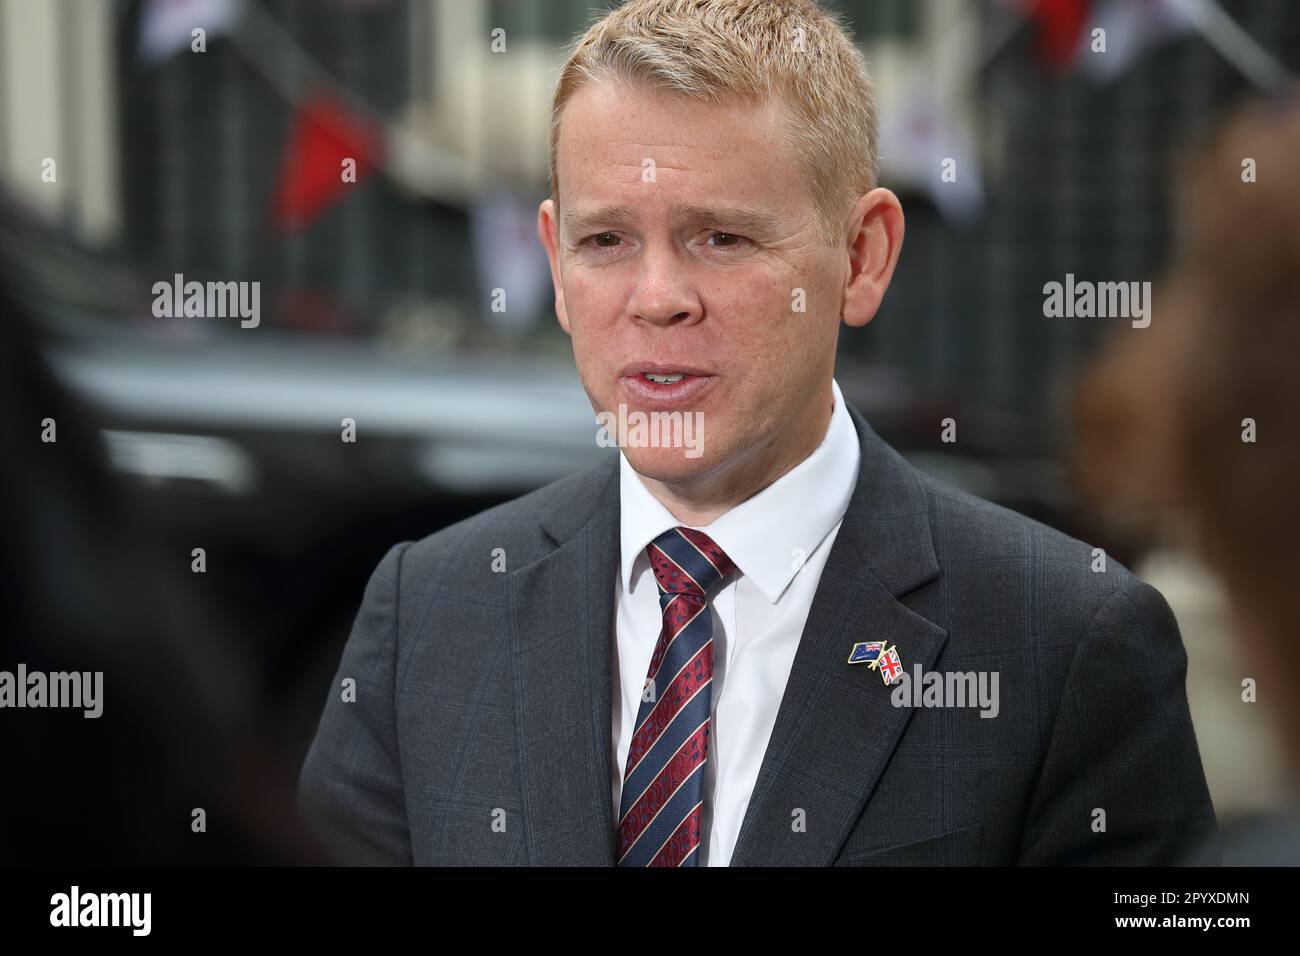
pixel 415 300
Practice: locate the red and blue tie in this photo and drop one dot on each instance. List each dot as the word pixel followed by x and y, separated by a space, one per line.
pixel 663 783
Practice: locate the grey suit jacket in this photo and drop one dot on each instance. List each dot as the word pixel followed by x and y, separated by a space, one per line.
pixel 480 732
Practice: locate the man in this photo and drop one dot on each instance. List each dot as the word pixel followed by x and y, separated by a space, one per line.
pixel 661 674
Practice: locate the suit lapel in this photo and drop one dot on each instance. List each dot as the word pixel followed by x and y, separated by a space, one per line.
pixel 836 726
pixel 562 616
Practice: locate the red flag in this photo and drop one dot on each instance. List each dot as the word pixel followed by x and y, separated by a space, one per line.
pixel 325 133
pixel 1060 24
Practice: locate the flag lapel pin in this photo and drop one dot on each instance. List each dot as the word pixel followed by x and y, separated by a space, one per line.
pixel 889 664
pixel 866 652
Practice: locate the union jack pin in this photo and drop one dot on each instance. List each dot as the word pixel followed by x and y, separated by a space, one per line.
pixel 889 664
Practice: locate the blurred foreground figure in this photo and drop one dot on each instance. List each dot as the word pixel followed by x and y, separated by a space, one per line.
pixel 1190 429
pixel 166 766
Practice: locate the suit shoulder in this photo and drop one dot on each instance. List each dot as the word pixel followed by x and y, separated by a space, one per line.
pixel 1039 585
pixel 971 533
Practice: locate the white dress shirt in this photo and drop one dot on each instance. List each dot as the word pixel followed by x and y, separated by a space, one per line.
pixel 779 539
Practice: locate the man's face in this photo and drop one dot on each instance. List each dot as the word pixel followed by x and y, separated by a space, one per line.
pixel 688 243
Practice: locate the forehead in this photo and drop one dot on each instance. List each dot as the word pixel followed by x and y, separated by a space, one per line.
pixel 733 153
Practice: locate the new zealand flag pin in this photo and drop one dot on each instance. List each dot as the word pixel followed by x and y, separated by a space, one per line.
pixel 866 652
pixel 877 656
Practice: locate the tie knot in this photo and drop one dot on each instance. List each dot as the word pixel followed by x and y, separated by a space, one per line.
pixel 686 561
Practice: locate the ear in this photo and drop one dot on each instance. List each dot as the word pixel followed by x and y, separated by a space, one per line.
pixel 875 238
pixel 548 231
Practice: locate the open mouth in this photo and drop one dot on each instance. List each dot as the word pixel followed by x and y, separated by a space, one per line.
pixel 661 386
pixel 664 379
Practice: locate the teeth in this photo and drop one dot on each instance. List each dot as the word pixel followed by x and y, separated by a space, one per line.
pixel 665 379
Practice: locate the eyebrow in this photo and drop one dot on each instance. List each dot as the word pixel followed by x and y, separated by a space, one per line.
pixel 580 220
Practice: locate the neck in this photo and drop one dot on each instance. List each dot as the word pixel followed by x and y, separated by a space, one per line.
pixel 704 499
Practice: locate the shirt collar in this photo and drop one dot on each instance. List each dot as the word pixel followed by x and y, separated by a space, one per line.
pixel 770 535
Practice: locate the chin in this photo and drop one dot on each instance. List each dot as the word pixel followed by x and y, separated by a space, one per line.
pixel 669 465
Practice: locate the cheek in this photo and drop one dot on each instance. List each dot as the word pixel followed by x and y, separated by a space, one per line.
pixel 592 305
pixel 768 328
pixel 812 321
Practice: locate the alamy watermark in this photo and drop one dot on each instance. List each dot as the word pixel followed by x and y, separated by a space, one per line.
pixel 35 689
pixel 947 689
pixel 1103 300
pixel 76 908
pixel 639 429
pixel 208 300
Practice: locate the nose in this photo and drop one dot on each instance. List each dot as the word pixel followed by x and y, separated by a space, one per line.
pixel 663 294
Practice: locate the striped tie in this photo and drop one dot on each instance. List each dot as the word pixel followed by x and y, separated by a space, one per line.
pixel 663 784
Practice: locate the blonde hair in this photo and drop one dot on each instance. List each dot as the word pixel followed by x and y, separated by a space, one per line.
pixel 715 50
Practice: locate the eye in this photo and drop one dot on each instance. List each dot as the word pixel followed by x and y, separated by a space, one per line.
pixel 597 240
pixel 726 240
